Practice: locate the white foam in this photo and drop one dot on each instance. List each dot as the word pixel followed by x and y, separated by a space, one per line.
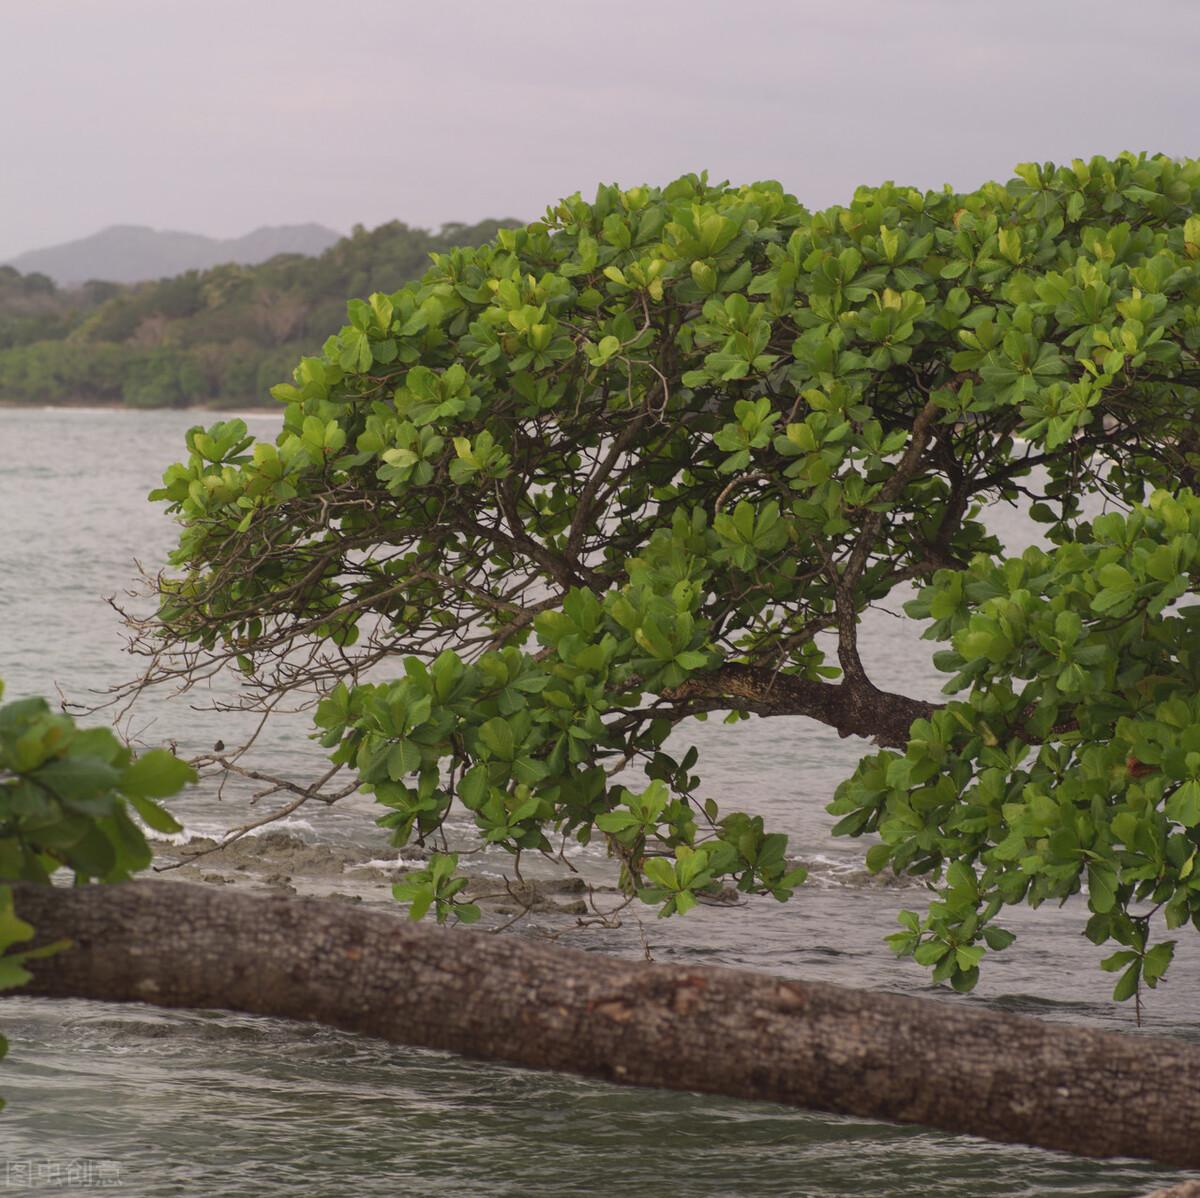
pixel 190 832
pixel 219 832
pixel 388 863
pixel 289 823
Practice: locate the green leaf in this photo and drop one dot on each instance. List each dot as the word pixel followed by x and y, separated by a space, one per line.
pixel 998 938
pixel 660 872
pixel 78 778
pixel 930 952
pixel 878 856
pixel 1127 985
pixel 497 736
pixel 12 973
pixel 156 774
pixel 154 816
pixel 404 759
pixel 1184 805
pixel 1102 888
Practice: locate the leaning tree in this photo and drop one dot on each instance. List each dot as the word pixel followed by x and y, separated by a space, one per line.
pixel 652 456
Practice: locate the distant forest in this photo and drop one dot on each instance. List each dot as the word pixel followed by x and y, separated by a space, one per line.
pixel 218 338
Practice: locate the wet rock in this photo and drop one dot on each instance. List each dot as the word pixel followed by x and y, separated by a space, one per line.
pixel 274 851
pixel 570 885
pixel 282 862
pixel 375 873
pixel 513 896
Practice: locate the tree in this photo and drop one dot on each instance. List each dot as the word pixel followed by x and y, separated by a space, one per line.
pixel 625 466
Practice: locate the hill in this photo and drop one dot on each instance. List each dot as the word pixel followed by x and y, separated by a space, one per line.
pixel 217 337
pixel 135 253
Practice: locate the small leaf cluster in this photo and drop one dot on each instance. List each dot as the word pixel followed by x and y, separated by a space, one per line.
pixel 65 799
pixel 436 887
pixel 66 795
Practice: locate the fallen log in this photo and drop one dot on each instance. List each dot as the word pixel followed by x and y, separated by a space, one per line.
pixel 721 1031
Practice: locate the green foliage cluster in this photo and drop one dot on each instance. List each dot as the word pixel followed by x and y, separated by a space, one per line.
pixel 1085 648
pixel 624 466
pixel 218 337
pixel 66 795
pixel 437 886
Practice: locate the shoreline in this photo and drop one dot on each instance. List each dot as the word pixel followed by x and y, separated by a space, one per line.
pixel 97 405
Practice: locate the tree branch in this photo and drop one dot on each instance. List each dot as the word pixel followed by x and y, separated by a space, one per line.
pixel 853 711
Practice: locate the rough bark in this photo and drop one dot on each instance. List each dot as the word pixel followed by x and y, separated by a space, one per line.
pixel 721 1031
pixel 852 709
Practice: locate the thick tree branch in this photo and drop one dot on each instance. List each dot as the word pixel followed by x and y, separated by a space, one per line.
pixel 852 710
pixel 720 1031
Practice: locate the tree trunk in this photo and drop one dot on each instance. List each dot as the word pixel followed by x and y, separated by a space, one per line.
pixel 721 1031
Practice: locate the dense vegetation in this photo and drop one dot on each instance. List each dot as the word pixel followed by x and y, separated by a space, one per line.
pixel 626 466
pixel 219 337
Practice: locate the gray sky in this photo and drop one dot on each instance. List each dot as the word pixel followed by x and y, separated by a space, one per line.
pixel 217 116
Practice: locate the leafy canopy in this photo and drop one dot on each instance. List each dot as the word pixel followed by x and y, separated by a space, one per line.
pixel 622 467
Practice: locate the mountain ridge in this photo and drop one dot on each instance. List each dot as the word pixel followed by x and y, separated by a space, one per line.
pixel 129 253
pixel 220 337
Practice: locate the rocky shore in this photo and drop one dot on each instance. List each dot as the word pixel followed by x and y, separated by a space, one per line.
pixel 281 861
pixel 286 861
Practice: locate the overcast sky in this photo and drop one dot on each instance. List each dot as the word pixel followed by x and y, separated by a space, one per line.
pixel 217 116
